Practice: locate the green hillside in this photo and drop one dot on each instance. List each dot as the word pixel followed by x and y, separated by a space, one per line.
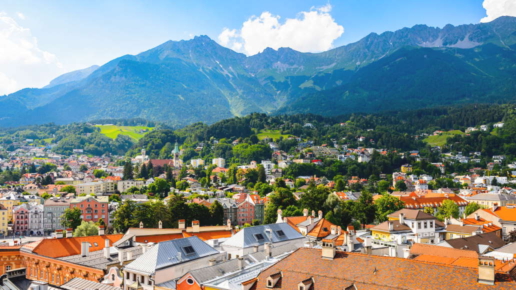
pixel 440 140
pixel 135 132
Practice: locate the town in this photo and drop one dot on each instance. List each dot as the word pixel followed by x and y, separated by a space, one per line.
pixel 186 222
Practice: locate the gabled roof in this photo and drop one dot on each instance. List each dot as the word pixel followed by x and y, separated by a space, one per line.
pixel 412 214
pixel 82 284
pixel 474 243
pixel 259 235
pixel 56 248
pixel 170 253
pixel 321 229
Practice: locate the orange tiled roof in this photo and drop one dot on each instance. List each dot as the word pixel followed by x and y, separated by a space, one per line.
pixel 426 249
pixel 505 213
pixel 486 225
pixel 321 229
pixel 372 272
pixel 158 238
pixel 419 202
pixel 56 248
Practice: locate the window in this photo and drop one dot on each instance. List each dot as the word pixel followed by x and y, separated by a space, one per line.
pixel 259 237
pixel 269 283
pixel 127 275
pixel 8 267
pixel 431 224
pixel 190 281
pixel 149 282
pixel 112 277
pixel 419 225
pixel 426 225
pixel 189 250
pixel 280 233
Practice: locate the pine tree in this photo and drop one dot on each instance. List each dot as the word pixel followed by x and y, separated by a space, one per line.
pixel 150 170
pixel 128 170
pixel 143 172
pixel 262 176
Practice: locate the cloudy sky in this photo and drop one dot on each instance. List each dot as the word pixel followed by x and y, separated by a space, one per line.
pixel 40 40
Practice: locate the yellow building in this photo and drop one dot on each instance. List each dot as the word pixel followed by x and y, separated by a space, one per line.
pixel 406 168
pixel 4 220
pixel 9 205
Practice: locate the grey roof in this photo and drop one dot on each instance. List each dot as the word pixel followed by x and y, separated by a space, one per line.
pixel 133 196
pixel 208 273
pixel 97 260
pixel 493 197
pixel 169 253
pixel 225 202
pixel 81 284
pixel 247 237
pixel 309 222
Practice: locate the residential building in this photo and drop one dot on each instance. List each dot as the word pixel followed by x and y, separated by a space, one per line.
pixel 167 261
pixel 253 239
pixel 9 202
pixel 93 208
pixel 52 211
pixel 432 200
pixel 268 166
pixel 481 243
pixel 230 209
pixel 99 187
pixel 502 216
pixel 124 185
pixel 408 225
pixel 492 199
pixel 466 227
pixel 197 163
pixel 36 218
pixel 20 219
pixel 327 268
pixel 4 220
pixel 220 162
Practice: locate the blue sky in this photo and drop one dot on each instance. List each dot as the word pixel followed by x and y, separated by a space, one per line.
pixel 69 35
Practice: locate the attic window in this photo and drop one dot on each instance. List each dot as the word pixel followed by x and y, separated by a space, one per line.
pixel 280 233
pixel 259 237
pixel 189 250
pixel 95 244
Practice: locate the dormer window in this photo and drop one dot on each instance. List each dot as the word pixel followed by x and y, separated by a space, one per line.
pixel 259 237
pixel 280 233
pixel 273 279
pixel 306 284
pixel 189 250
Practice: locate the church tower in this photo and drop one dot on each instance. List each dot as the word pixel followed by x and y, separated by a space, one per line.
pixel 175 155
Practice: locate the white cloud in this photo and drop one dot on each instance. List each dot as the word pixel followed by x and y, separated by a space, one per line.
pixel 20 15
pixel 310 31
pixel 498 8
pixel 22 62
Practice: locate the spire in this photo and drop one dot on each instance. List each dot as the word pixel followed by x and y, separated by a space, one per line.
pixel 176 149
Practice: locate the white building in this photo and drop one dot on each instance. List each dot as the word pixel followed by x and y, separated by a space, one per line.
pixel 268 166
pixel 220 162
pixel 197 162
pixel 124 185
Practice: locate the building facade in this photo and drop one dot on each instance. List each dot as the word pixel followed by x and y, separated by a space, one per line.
pixel 92 208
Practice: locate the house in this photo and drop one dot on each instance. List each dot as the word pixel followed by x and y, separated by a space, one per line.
pixel 328 268
pixel 252 239
pixel 230 209
pixel 52 211
pixel 220 162
pixel 491 199
pixel 167 261
pixel 197 163
pixel 99 187
pixel 408 225
pixel 93 208
pixel 124 185
pixel 466 227
pixel 501 216
pixel 432 200
pixel 481 243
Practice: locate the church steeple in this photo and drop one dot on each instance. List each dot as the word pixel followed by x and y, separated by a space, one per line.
pixel 175 155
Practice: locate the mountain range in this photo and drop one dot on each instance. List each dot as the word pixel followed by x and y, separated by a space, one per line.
pixel 182 82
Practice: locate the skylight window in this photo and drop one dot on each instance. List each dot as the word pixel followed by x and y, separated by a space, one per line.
pixel 189 250
pixel 280 233
pixel 259 237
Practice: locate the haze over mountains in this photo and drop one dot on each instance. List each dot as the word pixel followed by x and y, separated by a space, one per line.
pixel 198 80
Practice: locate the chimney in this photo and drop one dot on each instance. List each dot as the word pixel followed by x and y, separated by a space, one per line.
pixel 328 249
pixel 313 213
pixel 486 270
pixel 406 253
pixel 59 234
pixel 229 224
pixel 129 256
pixel 267 248
pixel 402 218
pixel 85 249
pixel 280 218
pixel 107 253
pixel 305 212
pixel 182 224
pixel 195 226
pixel 240 263
pixel 121 256
pixel 320 214
pixel 212 262
pixel 339 230
pixel 141 225
pixel 350 243
pixel 102 230
pixel 160 224
pixel 391 226
pixel 476 216
pixel 309 220
pixel 333 229
pixel 255 249
pixel 69 233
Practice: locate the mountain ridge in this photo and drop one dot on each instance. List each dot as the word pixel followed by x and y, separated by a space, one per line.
pixel 181 82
